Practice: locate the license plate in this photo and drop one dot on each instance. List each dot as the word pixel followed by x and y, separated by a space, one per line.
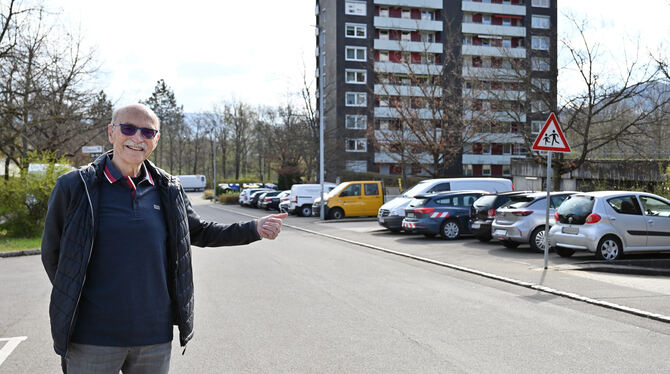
pixel 410 214
pixel 570 230
pixel 475 226
pixel 500 233
pixel 381 219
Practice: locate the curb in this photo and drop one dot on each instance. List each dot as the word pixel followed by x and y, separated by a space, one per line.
pixel 28 252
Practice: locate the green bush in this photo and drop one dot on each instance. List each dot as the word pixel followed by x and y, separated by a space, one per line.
pixel 229 198
pixel 208 194
pixel 24 200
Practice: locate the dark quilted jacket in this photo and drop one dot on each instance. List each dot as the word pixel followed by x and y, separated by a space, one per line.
pixel 69 232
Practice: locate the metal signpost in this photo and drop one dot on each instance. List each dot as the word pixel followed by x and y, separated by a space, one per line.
pixel 550 139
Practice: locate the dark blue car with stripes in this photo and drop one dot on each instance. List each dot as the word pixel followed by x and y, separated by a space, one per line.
pixel 443 213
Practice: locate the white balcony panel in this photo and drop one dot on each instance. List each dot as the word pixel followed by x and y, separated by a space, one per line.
pixel 499 74
pixel 494 94
pixel 481 29
pixel 515 10
pixel 490 137
pixel 407 24
pixel 479 50
pixel 401 68
pixel 498 116
pixel 398 90
pixel 469 159
pixel 383 112
pixel 430 4
pixel 386 158
pixel 405 46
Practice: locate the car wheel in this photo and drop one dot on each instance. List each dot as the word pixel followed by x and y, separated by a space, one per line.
pixel 450 230
pixel 609 248
pixel 306 211
pixel 336 213
pixel 565 252
pixel 537 239
pixel 510 244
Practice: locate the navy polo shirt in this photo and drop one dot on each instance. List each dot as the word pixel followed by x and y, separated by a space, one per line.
pixel 125 299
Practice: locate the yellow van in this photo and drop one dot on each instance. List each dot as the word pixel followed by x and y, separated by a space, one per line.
pixel 353 199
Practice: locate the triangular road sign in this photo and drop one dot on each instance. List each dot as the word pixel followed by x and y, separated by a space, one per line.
pixel 551 137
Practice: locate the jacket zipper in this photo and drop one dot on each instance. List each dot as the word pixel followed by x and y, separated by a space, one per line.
pixel 90 252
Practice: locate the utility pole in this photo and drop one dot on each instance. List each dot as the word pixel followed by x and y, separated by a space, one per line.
pixel 214 165
pixel 321 105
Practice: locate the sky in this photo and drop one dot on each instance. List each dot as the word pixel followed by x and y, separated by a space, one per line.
pixel 257 51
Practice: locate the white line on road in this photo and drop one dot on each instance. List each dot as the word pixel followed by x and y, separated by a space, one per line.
pixel 11 344
pixel 538 287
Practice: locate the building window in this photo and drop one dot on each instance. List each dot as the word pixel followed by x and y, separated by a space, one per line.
pixel 540 3
pixel 355 53
pixel 360 166
pixel 356 121
pixel 406 14
pixel 406 36
pixel 540 22
pixel 538 106
pixel 356 99
pixel 507 149
pixel 355 30
pixel 427 15
pixel 540 43
pixel 467 170
pixel 540 64
pixel 536 126
pixel 383 56
pixel 383 12
pixel 541 84
pixel 356 145
pixel 356 8
pixel 355 76
pixel 486 170
pixel 384 101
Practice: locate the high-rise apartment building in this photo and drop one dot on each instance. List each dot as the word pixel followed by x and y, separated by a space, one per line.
pixel 379 53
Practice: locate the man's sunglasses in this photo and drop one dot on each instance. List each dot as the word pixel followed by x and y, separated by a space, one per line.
pixel 130 130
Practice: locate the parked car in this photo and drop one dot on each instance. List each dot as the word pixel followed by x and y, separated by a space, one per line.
pixel 192 182
pixel 484 211
pixel 391 214
pixel 522 219
pixel 612 223
pixel 284 203
pixel 351 199
pixel 272 202
pixel 244 198
pixel 265 197
pixel 303 195
pixel 444 213
pixel 255 196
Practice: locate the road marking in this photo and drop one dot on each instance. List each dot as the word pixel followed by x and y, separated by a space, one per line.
pixel 533 286
pixel 11 344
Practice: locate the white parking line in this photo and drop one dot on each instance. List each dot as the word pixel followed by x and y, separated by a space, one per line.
pixel 11 344
pixel 537 287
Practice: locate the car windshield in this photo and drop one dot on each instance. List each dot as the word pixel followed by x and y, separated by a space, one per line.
pixel 415 190
pixel 486 200
pixel 418 202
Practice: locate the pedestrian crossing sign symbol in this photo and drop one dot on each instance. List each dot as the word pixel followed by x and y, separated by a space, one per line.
pixel 551 137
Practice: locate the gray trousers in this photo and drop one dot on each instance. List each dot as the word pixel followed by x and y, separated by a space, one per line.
pixel 89 359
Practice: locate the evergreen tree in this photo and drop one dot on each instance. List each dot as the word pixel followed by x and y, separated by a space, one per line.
pixel 171 115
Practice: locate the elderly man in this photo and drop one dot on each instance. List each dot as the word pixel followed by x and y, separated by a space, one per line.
pixel 117 249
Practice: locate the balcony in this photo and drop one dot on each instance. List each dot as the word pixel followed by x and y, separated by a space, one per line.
pixel 498 116
pixel 471 6
pixel 493 73
pixel 470 159
pixel 407 24
pixel 484 29
pixel 491 137
pixel 480 50
pixel 385 112
pixel 495 94
pixel 386 158
pixel 406 46
pixel 401 68
pixel 399 90
pixel 429 4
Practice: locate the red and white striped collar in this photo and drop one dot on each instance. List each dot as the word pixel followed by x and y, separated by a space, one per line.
pixel 114 175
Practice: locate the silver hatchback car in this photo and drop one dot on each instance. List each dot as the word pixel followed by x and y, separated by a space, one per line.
pixel 610 223
pixel 522 219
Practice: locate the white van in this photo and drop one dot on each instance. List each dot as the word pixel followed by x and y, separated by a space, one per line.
pixel 192 182
pixel 303 195
pixel 391 214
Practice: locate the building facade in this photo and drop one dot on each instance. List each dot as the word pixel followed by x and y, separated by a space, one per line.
pixel 379 55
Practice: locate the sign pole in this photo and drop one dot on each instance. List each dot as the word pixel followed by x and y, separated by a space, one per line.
pixel 546 223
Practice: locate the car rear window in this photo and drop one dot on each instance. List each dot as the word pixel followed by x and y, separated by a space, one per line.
pixel 485 201
pixel 578 207
pixel 516 202
pixel 418 202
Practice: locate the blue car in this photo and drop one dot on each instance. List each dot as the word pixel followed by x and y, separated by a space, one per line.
pixel 444 213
